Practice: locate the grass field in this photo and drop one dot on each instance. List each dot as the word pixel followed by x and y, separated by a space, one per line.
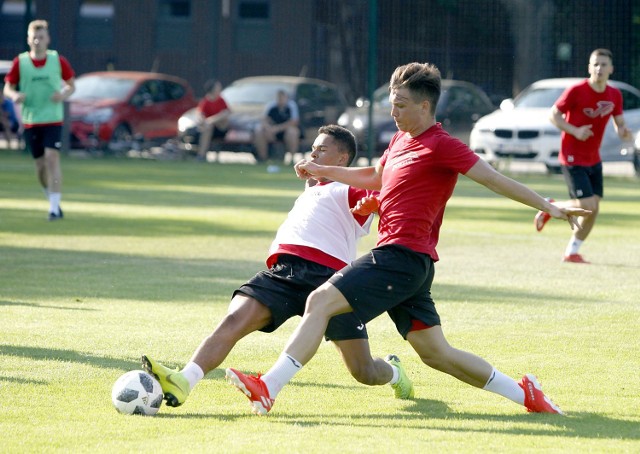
pixel 149 253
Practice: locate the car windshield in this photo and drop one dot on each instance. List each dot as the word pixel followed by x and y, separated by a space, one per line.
pixel 97 87
pixel 538 97
pixel 254 92
pixel 381 96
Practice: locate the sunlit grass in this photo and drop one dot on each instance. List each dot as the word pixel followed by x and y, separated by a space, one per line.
pixel 149 253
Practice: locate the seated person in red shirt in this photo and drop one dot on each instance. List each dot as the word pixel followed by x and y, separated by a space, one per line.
pixel 214 116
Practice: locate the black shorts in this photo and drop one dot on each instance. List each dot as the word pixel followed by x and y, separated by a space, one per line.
pixel 37 138
pixel 394 279
pixel 218 133
pixel 584 182
pixel 284 290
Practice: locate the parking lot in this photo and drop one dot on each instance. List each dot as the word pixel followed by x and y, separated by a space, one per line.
pixel 624 169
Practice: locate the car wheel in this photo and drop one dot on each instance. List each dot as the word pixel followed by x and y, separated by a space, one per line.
pixel 553 170
pixel 121 139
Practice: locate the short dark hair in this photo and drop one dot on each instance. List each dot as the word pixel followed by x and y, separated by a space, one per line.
pixel 602 52
pixel 421 79
pixel 345 139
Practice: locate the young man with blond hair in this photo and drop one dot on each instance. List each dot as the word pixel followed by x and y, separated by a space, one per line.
pixel 41 80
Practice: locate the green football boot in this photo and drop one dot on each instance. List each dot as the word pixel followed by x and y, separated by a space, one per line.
pixel 403 388
pixel 175 386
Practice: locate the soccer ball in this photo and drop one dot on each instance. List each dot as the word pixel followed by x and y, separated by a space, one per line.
pixel 137 393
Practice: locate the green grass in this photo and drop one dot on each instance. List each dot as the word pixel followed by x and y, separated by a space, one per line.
pixel 149 253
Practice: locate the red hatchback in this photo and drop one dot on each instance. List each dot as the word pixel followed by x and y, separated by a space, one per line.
pixel 110 109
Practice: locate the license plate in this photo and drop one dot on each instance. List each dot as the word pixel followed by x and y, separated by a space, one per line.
pixel 517 148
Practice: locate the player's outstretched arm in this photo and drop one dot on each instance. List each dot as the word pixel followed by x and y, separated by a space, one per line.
pixel 359 177
pixel 483 173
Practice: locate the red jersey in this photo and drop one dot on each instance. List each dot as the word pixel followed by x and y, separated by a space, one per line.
pixel 209 107
pixel 418 179
pixel 582 105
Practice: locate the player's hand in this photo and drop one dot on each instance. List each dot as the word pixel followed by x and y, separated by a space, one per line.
pixel 306 169
pixel 19 98
pixel 583 132
pixel 366 206
pixel 569 214
pixel 625 134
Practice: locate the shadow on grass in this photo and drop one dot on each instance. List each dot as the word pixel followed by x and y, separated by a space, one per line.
pixel 32 222
pixel 44 306
pixel 23 381
pixel 48 354
pixel 78 275
pixel 420 412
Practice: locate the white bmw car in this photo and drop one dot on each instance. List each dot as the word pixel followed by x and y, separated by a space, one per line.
pixel 520 130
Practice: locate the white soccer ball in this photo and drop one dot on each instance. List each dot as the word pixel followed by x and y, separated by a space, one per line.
pixel 137 393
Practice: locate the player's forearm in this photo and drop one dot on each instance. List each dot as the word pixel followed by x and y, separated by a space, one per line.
pixel 559 122
pixel 359 177
pixel 11 92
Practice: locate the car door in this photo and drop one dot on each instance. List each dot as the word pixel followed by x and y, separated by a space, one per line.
pixel 146 118
pixel 461 109
pixel 319 105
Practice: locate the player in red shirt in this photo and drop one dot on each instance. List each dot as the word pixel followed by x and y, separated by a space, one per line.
pixel 45 81
pixel 214 116
pixel 416 176
pixel 318 238
pixel 582 113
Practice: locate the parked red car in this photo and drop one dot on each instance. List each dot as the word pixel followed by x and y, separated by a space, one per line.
pixel 110 109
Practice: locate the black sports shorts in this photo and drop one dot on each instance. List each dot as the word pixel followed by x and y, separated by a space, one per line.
pixel 394 279
pixel 284 289
pixel 37 138
pixel 583 181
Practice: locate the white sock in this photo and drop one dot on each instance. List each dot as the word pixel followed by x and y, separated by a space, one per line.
pixel 193 373
pixel 507 387
pixel 396 375
pixel 54 202
pixel 280 374
pixel 573 247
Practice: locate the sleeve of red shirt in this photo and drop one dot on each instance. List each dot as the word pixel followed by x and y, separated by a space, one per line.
pixel 563 103
pixel 13 76
pixel 66 69
pixel 356 194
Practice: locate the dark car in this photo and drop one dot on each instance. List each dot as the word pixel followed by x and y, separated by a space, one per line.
pixel 319 103
pixel 461 105
pixel 109 109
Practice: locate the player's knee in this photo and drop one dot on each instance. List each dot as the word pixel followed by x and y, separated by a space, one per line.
pixel 591 204
pixel 320 301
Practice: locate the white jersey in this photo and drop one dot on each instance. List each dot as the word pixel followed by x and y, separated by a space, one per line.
pixel 320 219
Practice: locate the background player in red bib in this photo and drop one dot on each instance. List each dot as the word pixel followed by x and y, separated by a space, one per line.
pixel 582 113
